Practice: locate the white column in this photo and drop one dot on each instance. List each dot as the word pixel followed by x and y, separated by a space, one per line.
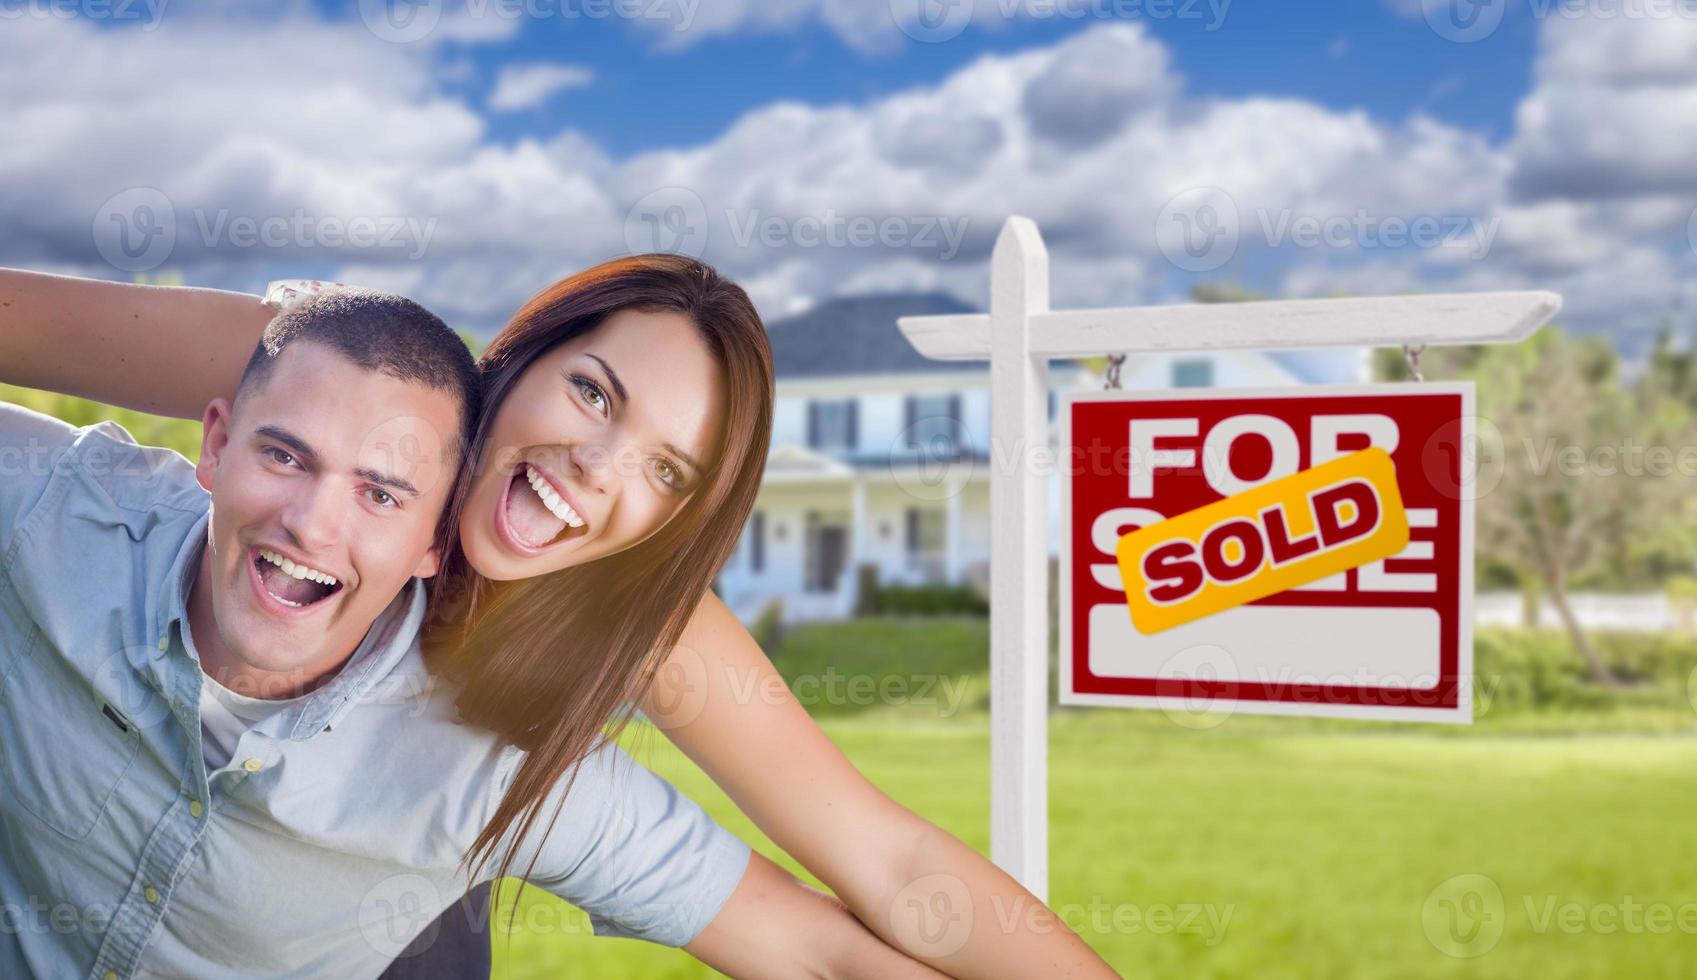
pixel 951 532
pixel 858 534
pixel 1019 580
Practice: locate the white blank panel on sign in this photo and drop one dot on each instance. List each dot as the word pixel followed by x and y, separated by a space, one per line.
pixel 1263 641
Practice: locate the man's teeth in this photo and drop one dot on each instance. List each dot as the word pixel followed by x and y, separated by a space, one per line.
pixel 556 506
pixel 297 571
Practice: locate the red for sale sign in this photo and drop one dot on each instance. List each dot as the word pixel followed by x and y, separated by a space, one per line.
pixel 1304 551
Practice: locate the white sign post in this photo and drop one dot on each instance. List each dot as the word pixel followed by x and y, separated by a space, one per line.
pixel 1018 337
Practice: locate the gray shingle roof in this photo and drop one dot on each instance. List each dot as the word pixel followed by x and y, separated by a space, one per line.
pixel 855 335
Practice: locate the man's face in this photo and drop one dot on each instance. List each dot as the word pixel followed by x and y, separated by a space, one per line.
pixel 327 482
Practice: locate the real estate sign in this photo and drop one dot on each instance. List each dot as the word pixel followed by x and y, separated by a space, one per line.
pixel 1300 551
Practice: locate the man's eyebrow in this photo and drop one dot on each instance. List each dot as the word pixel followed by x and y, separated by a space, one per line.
pixel 383 479
pixel 613 376
pixel 287 438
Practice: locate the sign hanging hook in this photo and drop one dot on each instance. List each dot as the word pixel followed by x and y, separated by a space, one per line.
pixel 1113 381
pixel 1411 354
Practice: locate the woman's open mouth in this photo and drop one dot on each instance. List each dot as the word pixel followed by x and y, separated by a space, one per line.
pixel 533 514
pixel 292 585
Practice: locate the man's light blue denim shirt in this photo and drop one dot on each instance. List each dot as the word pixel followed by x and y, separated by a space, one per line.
pixel 335 834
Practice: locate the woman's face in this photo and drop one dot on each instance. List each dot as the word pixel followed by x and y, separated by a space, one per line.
pixel 599 443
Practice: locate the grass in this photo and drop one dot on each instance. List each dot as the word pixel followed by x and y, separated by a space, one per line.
pixel 1283 847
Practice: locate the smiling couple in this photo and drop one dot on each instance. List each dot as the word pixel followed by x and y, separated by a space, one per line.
pixel 273 712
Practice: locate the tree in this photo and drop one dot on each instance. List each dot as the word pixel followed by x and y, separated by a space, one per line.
pixel 1574 466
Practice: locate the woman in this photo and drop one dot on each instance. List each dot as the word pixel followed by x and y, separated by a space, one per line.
pixel 626 418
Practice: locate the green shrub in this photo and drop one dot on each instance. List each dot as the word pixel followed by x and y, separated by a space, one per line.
pixel 930 600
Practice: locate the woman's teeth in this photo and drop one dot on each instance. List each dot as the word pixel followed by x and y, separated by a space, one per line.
pixel 297 571
pixel 556 506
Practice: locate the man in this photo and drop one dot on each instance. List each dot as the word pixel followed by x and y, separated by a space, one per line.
pixel 220 753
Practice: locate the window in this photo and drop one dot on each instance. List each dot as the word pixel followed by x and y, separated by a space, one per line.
pixel 1193 373
pixel 926 540
pixel 757 542
pixel 933 423
pixel 832 424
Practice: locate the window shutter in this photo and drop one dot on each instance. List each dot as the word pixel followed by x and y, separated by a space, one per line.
pixel 757 553
pixel 853 423
pixel 910 414
pixel 812 425
pixel 957 430
pixel 912 530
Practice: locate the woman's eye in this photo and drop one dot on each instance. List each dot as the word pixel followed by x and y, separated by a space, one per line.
pixel 592 394
pixel 669 473
pixel 382 498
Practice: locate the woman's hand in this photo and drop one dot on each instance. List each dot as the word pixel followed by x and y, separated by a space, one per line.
pixel 719 699
pixel 168 350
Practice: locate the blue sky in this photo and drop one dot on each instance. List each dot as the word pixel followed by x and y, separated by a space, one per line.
pixel 1345 55
pixel 1362 147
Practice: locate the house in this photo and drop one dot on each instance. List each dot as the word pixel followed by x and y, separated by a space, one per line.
pixel 881 457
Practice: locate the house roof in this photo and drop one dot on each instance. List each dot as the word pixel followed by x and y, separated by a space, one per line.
pixel 854 335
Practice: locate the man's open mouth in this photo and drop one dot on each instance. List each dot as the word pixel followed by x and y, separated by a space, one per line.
pixel 535 512
pixel 293 585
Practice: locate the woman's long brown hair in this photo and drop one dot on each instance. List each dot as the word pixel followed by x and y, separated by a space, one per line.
pixel 554 664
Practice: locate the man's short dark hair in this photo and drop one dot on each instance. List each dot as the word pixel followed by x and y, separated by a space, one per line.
pixel 380 333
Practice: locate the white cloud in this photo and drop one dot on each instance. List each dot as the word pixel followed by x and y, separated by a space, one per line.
pixel 803 202
pixel 529 86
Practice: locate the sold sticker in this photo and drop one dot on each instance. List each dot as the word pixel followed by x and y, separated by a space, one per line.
pixel 1286 533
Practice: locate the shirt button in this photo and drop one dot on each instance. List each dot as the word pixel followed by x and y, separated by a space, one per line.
pixel 152 895
pixel 164 641
pixel 253 765
pixel 195 809
pixel 109 976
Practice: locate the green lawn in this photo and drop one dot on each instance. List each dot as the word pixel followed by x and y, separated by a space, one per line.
pixel 1280 848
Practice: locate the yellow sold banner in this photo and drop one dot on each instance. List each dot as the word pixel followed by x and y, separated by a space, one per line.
pixel 1292 531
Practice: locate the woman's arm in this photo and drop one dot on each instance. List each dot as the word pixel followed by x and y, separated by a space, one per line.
pixel 162 349
pixel 719 699
pixel 773 926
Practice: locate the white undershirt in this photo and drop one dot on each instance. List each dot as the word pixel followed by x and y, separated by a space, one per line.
pixel 225 715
